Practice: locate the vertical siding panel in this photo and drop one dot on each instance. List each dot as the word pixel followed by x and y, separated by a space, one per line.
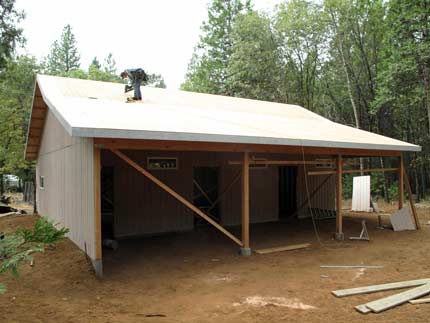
pixel 324 199
pixel 67 164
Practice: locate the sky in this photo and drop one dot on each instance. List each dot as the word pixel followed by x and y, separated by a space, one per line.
pixel 156 35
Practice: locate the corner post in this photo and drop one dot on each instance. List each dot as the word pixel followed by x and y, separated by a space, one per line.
pixel 97 262
pixel 339 233
pixel 401 182
pixel 245 250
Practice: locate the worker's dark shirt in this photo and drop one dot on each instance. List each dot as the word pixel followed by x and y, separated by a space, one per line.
pixel 135 74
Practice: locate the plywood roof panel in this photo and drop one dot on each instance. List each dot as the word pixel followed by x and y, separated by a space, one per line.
pixel 98 109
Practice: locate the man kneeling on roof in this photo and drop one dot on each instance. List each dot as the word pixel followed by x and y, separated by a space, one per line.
pixel 135 78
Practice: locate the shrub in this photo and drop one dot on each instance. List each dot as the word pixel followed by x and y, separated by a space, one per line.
pixel 18 247
pixel 44 231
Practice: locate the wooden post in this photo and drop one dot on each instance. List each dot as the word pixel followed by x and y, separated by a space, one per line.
pixel 339 233
pixel 245 250
pixel 401 184
pixel 97 262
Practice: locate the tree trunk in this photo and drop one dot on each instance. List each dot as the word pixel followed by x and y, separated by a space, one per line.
pixel 423 181
pixel 384 180
pixel 417 186
pixel 1 185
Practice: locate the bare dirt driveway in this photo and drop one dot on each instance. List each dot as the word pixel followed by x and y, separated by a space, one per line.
pixel 199 277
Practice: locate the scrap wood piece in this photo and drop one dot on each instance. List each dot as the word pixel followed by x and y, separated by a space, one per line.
pixel 363 309
pixel 354 267
pixel 398 299
pixel 283 248
pixel 420 301
pixel 380 287
pixel 402 220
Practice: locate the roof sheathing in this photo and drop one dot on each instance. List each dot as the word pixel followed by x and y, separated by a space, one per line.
pixel 97 109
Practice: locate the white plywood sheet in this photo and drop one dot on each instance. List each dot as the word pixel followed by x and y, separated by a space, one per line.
pixel 397 299
pixel 98 109
pixel 361 194
pixel 402 220
pixel 380 287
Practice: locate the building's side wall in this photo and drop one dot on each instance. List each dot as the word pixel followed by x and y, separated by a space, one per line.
pixel 66 164
pixel 141 207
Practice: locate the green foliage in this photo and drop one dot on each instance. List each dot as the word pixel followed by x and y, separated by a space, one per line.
pixel 253 68
pixel 64 56
pixel 10 34
pixel 361 63
pixel 44 231
pixel 347 180
pixel 106 73
pixel 9 245
pixel 156 80
pixel 15 249
pixel 302 32
pixel 16 92
pixel 12 262
pixel 207 70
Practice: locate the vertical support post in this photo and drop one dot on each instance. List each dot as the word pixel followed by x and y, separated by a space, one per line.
pixel 339 232
pixel 401 183
pixel 245 250
pixel 97 262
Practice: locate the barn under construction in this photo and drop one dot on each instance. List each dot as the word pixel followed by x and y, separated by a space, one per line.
pixel 106 168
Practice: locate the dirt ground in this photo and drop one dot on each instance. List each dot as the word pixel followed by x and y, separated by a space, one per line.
pixel 199 277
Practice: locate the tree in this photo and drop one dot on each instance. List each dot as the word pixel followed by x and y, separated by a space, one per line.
pixel 64 56
pixel 17 248
pixel 156 80
pixel 106 73
pixel 254 69
pixel 207 69
pixel 109 65
pixel 302 33
pixel 10 34
pixel 95 62
pixel 16 84
pixel 403 97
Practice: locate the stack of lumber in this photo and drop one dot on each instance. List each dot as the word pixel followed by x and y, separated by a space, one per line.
pixel 421 287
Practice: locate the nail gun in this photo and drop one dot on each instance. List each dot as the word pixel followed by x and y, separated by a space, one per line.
pixel 128 88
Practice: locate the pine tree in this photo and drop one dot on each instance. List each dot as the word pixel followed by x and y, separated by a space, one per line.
pixel 64 56
pixel 10 34
pixel 207 71
pixel 110 65
pixel 95 62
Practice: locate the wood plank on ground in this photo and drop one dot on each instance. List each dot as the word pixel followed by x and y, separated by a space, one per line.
pixel 420 301
pixel 397 299
pixel 283 248
pixel 363 309
pixel 380 287
pixel 353 267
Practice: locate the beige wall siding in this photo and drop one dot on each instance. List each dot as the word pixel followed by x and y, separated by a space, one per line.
pixel 324 198
pixel 66 163
pixel 263 195
pixel 141 207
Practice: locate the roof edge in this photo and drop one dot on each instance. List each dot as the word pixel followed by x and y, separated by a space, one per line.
pixel 197 137
pixel 51 106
